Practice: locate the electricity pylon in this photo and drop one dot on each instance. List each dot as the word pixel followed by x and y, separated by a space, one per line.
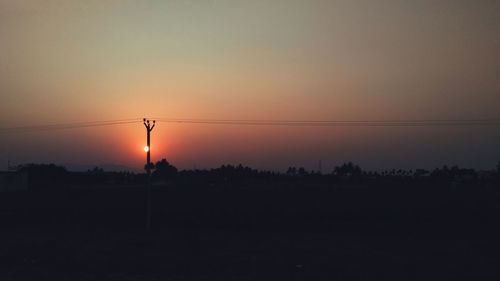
pixel 149 127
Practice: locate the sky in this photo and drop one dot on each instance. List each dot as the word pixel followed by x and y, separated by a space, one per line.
pixel 71 61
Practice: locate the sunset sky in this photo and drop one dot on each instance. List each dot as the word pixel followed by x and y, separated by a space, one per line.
pixel 71 61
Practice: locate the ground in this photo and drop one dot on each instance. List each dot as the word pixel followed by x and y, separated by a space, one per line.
pixel 203 234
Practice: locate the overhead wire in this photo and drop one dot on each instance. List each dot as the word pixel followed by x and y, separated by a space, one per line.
pixel 263 122
pixel 63 126
pixel 338 123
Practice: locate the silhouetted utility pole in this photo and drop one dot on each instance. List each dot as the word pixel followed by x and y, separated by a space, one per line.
pixel 149 127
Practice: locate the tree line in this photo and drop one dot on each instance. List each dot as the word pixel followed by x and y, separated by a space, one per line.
pixel 164 173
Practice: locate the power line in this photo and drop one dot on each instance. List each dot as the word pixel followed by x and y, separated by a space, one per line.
pixel 63 126
pixel 339 123
pixel 328 121
pixel 266 122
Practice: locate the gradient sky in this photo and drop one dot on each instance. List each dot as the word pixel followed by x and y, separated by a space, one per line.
pixel 68 61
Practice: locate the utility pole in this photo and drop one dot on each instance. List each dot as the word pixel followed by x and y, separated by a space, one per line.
pixel 149 127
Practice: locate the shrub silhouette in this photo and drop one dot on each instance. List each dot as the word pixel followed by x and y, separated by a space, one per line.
pixel 164 170
pixel 348 170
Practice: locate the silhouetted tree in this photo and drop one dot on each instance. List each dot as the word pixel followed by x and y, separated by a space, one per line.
pixel 42 170
pixel 302 172
pixel 420 173
pixel 348 170
pixel 164 170
pixel 96 170
pixel 292 171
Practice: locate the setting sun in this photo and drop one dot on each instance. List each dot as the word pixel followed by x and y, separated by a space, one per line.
pixel 146 148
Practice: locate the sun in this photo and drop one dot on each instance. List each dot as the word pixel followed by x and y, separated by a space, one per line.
pixel 146 148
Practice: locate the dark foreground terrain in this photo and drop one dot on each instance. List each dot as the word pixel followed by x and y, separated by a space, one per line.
pixel 275 233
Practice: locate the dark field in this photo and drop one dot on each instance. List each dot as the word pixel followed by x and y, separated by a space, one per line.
pixel 280 233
